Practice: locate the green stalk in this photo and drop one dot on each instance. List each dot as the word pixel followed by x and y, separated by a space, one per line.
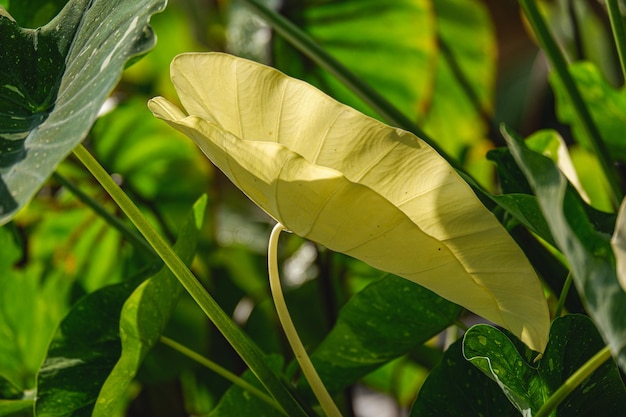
pixel 574 381
pixel 324 398
pixel 617 26
pixel 301 41
pixel 559 64
pixel 130 235
pixel 563 296
pixel 221 371
pixel 248 351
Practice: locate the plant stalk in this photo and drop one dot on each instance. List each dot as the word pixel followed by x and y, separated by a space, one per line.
pixel 248 351
pixel 221 371
pixel 619 33
pixel 557 59
pixel 324 398
pixel 563 296
pixel 574 381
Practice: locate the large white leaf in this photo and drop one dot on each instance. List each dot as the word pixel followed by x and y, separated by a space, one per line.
pixel 355 185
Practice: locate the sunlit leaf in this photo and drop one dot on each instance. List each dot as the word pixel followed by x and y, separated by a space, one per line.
pixel 53 82
pixel 357 186
pixel 462 97
pixel 391 45
pixel 588 250
pixel 30 309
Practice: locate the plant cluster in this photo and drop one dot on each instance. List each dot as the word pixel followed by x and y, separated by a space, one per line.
pixel 432 248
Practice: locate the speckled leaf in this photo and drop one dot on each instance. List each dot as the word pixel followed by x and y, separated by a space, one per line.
pixel 382 322
pixel 107 333
pixel 588 250
pixel 496 356
pixel 573 341
pixel 456 388
pixel 53 81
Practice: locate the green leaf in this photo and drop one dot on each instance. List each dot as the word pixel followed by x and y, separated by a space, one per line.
pixel 32 303
pixel 496 356
pixel 385 43
pixel 573 340
pixel 464 74
pixel 145 315
pixel 55 81
pixel 455 388
pixel 606 103
pixel 99 337
pixel 324 171
pixel 387 319
pixel 34 13
pixel 587 250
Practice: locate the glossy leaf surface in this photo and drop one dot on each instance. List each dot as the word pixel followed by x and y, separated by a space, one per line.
pixel 385 320
pixel 355 185
pixel 586 248
pixel 54 81
pixel 573 340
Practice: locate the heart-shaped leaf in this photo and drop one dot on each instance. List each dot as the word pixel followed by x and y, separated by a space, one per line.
pixel 53 83
pixel 355 185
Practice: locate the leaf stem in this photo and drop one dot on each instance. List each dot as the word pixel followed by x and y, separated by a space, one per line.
pixel 248 351
pixel 617 26
pixel 559 64
pixel 563 295
pixel 574 381
pixel 221 371
pixel 324 398
pixel 131 235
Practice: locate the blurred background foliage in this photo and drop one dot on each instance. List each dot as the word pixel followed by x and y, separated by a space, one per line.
pixel 458 68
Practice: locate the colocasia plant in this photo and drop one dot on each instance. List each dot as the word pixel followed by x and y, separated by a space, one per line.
pixel 431 248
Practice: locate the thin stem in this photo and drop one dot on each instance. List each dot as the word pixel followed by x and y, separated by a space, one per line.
pixel 221 371
pixel 131 235
pixel 617 26
pixel 563 296
pixel 574 381
pixel 559 64
pixel 324 398
pixel 248 351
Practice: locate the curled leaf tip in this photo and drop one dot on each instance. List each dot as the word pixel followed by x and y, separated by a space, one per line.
pixel 355 185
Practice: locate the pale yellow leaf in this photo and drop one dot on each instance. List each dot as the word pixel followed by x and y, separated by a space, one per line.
pixel 355 185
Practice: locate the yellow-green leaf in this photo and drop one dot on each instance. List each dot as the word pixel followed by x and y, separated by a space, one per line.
pixel 354 185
